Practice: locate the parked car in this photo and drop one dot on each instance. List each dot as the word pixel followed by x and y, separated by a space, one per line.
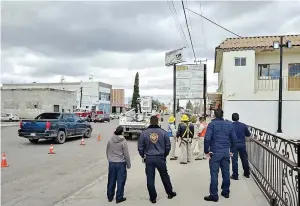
pixel 102 118
pixel 9 117
pixel 56 126
pixel 115 116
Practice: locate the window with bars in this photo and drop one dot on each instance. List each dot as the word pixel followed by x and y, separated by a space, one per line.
pixel 268 71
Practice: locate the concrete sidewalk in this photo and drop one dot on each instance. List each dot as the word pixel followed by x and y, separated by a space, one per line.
pixel 191 182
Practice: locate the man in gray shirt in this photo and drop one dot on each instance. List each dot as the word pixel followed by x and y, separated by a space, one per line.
pixel 119 159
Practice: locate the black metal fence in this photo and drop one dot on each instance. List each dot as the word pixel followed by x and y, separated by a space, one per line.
pixel 275 166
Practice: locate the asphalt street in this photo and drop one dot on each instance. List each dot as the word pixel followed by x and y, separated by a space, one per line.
pixel 35 178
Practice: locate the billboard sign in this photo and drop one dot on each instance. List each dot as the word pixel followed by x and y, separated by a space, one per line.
pixel 189 81
pixel 174 57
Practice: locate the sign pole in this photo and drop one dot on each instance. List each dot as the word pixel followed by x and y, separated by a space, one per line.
pixel 174 92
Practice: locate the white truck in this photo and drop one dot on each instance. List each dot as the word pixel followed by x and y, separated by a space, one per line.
pixel 133 122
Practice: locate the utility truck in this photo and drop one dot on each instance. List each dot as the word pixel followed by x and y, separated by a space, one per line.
pixel 134 122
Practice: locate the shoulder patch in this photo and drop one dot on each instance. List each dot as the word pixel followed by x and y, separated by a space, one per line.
pixel 154 138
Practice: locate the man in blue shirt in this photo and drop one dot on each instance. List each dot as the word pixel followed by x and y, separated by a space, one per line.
pixel 154 146
pixel 241 131
pixel 219 145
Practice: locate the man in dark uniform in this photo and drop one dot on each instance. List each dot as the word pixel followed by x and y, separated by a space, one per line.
pixel 185 133
pixel 219 145
pixel 154 146
pixel 241 131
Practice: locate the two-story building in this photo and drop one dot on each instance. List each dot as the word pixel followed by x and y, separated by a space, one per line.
pixel 248 77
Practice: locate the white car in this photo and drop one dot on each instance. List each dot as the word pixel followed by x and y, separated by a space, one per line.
pixel 10 117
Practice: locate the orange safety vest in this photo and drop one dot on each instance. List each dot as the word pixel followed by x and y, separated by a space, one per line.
pixel 202 134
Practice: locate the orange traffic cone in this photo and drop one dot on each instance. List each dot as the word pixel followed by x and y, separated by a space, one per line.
pixel 51 150
pixel 99 137
pixel 82 141
pixel 4 162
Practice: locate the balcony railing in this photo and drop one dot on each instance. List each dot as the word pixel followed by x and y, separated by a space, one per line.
pixel 272 84
pixel 275 166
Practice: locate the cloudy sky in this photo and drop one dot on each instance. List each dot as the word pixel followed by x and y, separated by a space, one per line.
pixel 42 41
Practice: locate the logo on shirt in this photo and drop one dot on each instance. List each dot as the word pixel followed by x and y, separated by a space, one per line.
pixel 154 137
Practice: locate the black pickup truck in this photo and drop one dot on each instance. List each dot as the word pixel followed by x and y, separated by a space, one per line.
pixel 56 126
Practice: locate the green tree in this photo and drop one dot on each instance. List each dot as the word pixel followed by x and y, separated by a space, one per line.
pixel 189 105
pixel 157 103
pixel 136 92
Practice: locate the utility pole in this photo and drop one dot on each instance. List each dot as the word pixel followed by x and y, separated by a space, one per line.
pixel 280 45
pixel 80 97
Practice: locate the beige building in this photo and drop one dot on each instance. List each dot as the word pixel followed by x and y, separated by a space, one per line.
pixel 118 100
pixel 28 103
pixel 248 72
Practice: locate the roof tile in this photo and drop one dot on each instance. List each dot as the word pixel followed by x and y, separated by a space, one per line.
pixel 256 42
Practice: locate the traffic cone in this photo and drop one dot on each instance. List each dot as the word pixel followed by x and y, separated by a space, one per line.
pixel 51 150
pixel 4 162
pixel 99 137
pixel 82 141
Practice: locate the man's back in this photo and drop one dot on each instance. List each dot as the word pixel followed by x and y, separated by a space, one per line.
pixel 219 136
pixel 183 132
pixel 154 141
pixel 241 131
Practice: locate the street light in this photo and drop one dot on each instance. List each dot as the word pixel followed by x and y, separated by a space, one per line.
pixel 280 45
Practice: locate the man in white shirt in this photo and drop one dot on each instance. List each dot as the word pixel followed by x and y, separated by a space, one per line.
pixel 201 126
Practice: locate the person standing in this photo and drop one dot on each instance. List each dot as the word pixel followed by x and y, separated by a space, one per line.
pixel 154 146
pixel 186 133
pixel 172 135
pixel 199 138
pixel 219 145
pixel 118 157
pixel 241 131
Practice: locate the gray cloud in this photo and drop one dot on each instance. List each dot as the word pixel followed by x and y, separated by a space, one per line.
pixel 44 40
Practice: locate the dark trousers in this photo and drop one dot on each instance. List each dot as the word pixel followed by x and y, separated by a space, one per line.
pixel 117 175
pixel 240 150
pixel 158 163
pixel 217 161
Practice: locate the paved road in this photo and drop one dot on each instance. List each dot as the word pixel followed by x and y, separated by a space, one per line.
pixel 35 178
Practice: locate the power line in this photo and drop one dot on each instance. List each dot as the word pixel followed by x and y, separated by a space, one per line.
pixel 214 23
pixel 193 37
pixel 187 25
pixel 177 21
pixel 202 23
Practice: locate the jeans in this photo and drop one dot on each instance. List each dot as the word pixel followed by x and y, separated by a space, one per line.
pixel 217 161
pixel 159 163
pixel 240 150
pixel 117 175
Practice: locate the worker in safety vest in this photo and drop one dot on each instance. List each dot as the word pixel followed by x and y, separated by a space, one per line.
pixel 199 138
pixel 186 133
pixel 172 134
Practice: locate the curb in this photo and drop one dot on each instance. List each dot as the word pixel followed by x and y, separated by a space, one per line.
pixel 9 125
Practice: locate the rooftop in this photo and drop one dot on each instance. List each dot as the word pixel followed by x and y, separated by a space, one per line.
pixel 250 43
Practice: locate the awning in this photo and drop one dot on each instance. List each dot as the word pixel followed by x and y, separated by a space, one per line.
pixel 214 96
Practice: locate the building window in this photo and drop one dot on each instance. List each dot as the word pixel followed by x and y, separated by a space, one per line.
pixel 268 71
pixel 240 61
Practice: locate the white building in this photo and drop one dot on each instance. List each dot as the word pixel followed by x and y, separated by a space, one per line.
pixel 248 73
pixel 28 103
pixel 95 95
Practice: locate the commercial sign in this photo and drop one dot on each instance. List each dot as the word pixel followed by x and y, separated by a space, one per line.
pixel 174 57
pixel 189 81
